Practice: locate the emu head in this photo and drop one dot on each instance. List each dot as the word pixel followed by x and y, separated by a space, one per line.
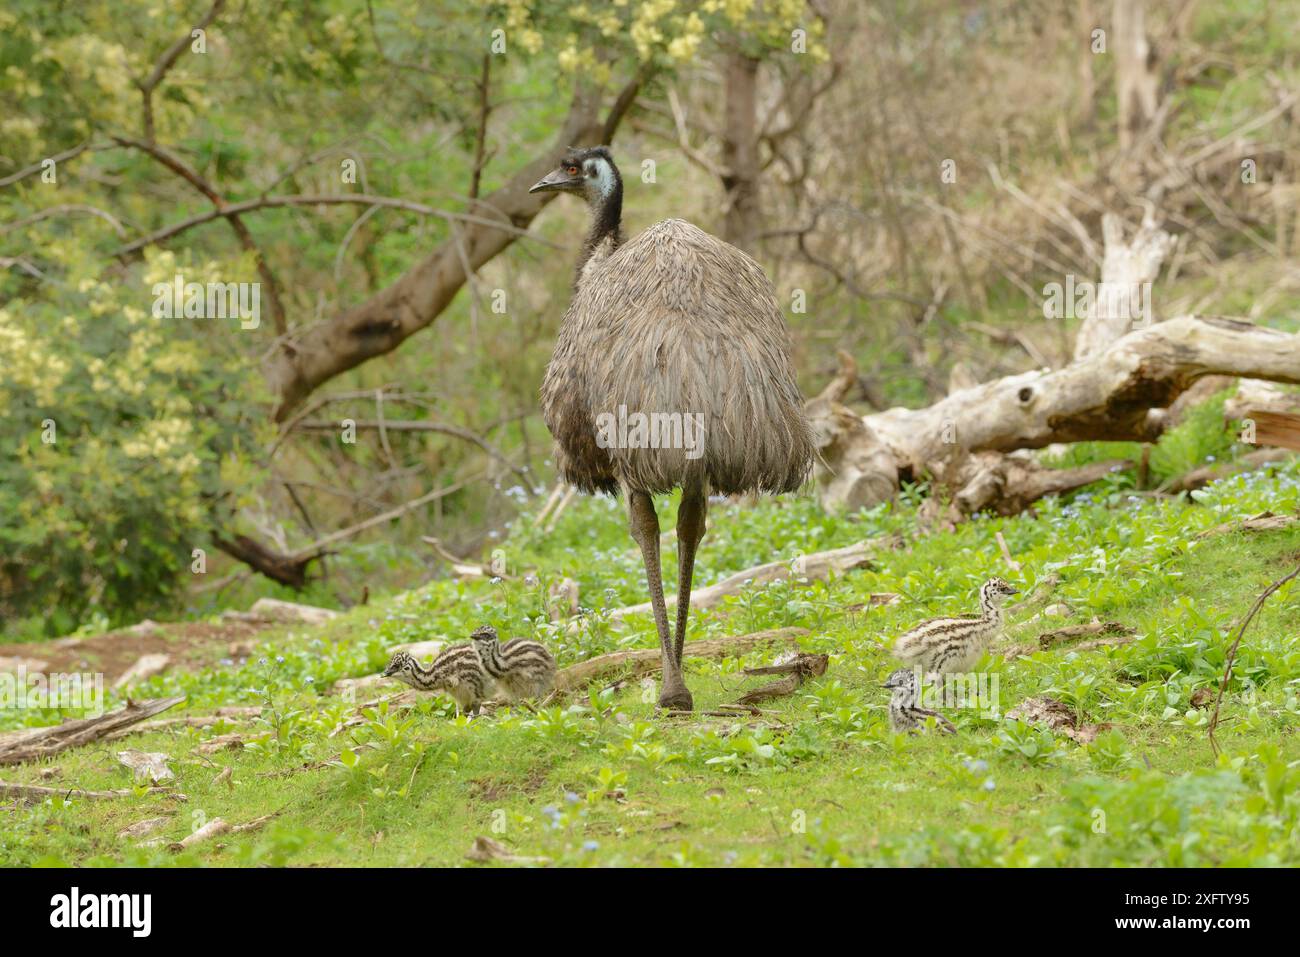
pixel 589 171
pixel 996 591
pixel 402 667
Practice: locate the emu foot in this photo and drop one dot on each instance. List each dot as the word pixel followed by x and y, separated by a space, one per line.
pixel 676 699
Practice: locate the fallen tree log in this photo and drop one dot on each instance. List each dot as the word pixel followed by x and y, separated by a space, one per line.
pixel 1203 476
pixel 1117 394
pixel 645 661
pixel 1108 396
pixel 1263 522
pixel 36 743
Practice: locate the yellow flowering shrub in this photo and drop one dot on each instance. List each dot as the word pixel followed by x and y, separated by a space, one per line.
pixel 121 436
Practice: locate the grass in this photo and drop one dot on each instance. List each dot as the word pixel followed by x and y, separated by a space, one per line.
pixel 602 781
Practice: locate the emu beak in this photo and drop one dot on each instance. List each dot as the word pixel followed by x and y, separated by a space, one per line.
pixel 556 179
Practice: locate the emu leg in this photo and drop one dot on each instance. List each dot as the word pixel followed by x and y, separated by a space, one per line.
pixel 644 525
pixel 690 529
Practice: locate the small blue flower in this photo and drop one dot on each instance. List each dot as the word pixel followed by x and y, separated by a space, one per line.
pixel 571 797
pixel 590 846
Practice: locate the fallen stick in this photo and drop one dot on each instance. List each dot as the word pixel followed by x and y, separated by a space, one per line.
pixel 777 689
pixel 1115 641
pixel 1263 522
pixel 644 661
pixel 1203 476
pixel 217 827
pixel 815 567
pixel 800 667
pixel 231 714
pixel 1051 639
pixel 1232 652
pixel 804 664
pixel 43 742
pixel 35 793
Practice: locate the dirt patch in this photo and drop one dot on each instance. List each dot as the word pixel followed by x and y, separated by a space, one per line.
pixel 190 645
pixel 494 789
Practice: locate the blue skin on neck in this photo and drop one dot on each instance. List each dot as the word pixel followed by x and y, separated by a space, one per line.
pixel 605 195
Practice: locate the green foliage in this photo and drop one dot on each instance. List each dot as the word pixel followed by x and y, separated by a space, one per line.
pixel 787 786
pixel 130 441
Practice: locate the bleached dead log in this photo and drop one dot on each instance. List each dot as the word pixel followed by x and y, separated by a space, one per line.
pixel 1127 271
pixel 208 831
pixel 1114 395
pixel 229 713
pixel 272 609
pixel 853 468
pixel 1271 427
pixel 145 667
pixel 1007 484
pixel 1106 397
pixel 32 744
pixel 1263 522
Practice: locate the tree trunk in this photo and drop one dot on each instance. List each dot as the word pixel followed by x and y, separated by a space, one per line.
pixel 1136 83
pixel 742 222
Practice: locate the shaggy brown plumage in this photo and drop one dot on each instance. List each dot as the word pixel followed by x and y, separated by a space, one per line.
pixel 676 321
pixel 682 331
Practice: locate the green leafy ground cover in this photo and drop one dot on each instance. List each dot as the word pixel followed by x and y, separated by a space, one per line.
pixel 600 780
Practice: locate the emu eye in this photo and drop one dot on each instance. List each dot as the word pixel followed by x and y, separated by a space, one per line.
pixel 573 171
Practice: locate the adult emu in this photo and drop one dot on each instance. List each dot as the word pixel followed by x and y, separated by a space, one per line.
pixel 673 332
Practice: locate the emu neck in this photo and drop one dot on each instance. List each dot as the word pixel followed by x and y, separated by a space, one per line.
pixel 426 678
pixel 606 233
pixel 992 611
pixel 489 653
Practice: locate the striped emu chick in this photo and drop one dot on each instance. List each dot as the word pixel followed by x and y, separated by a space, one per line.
pixel 522 668
pixel 955 644
pixel 457 673
pixel 905 711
